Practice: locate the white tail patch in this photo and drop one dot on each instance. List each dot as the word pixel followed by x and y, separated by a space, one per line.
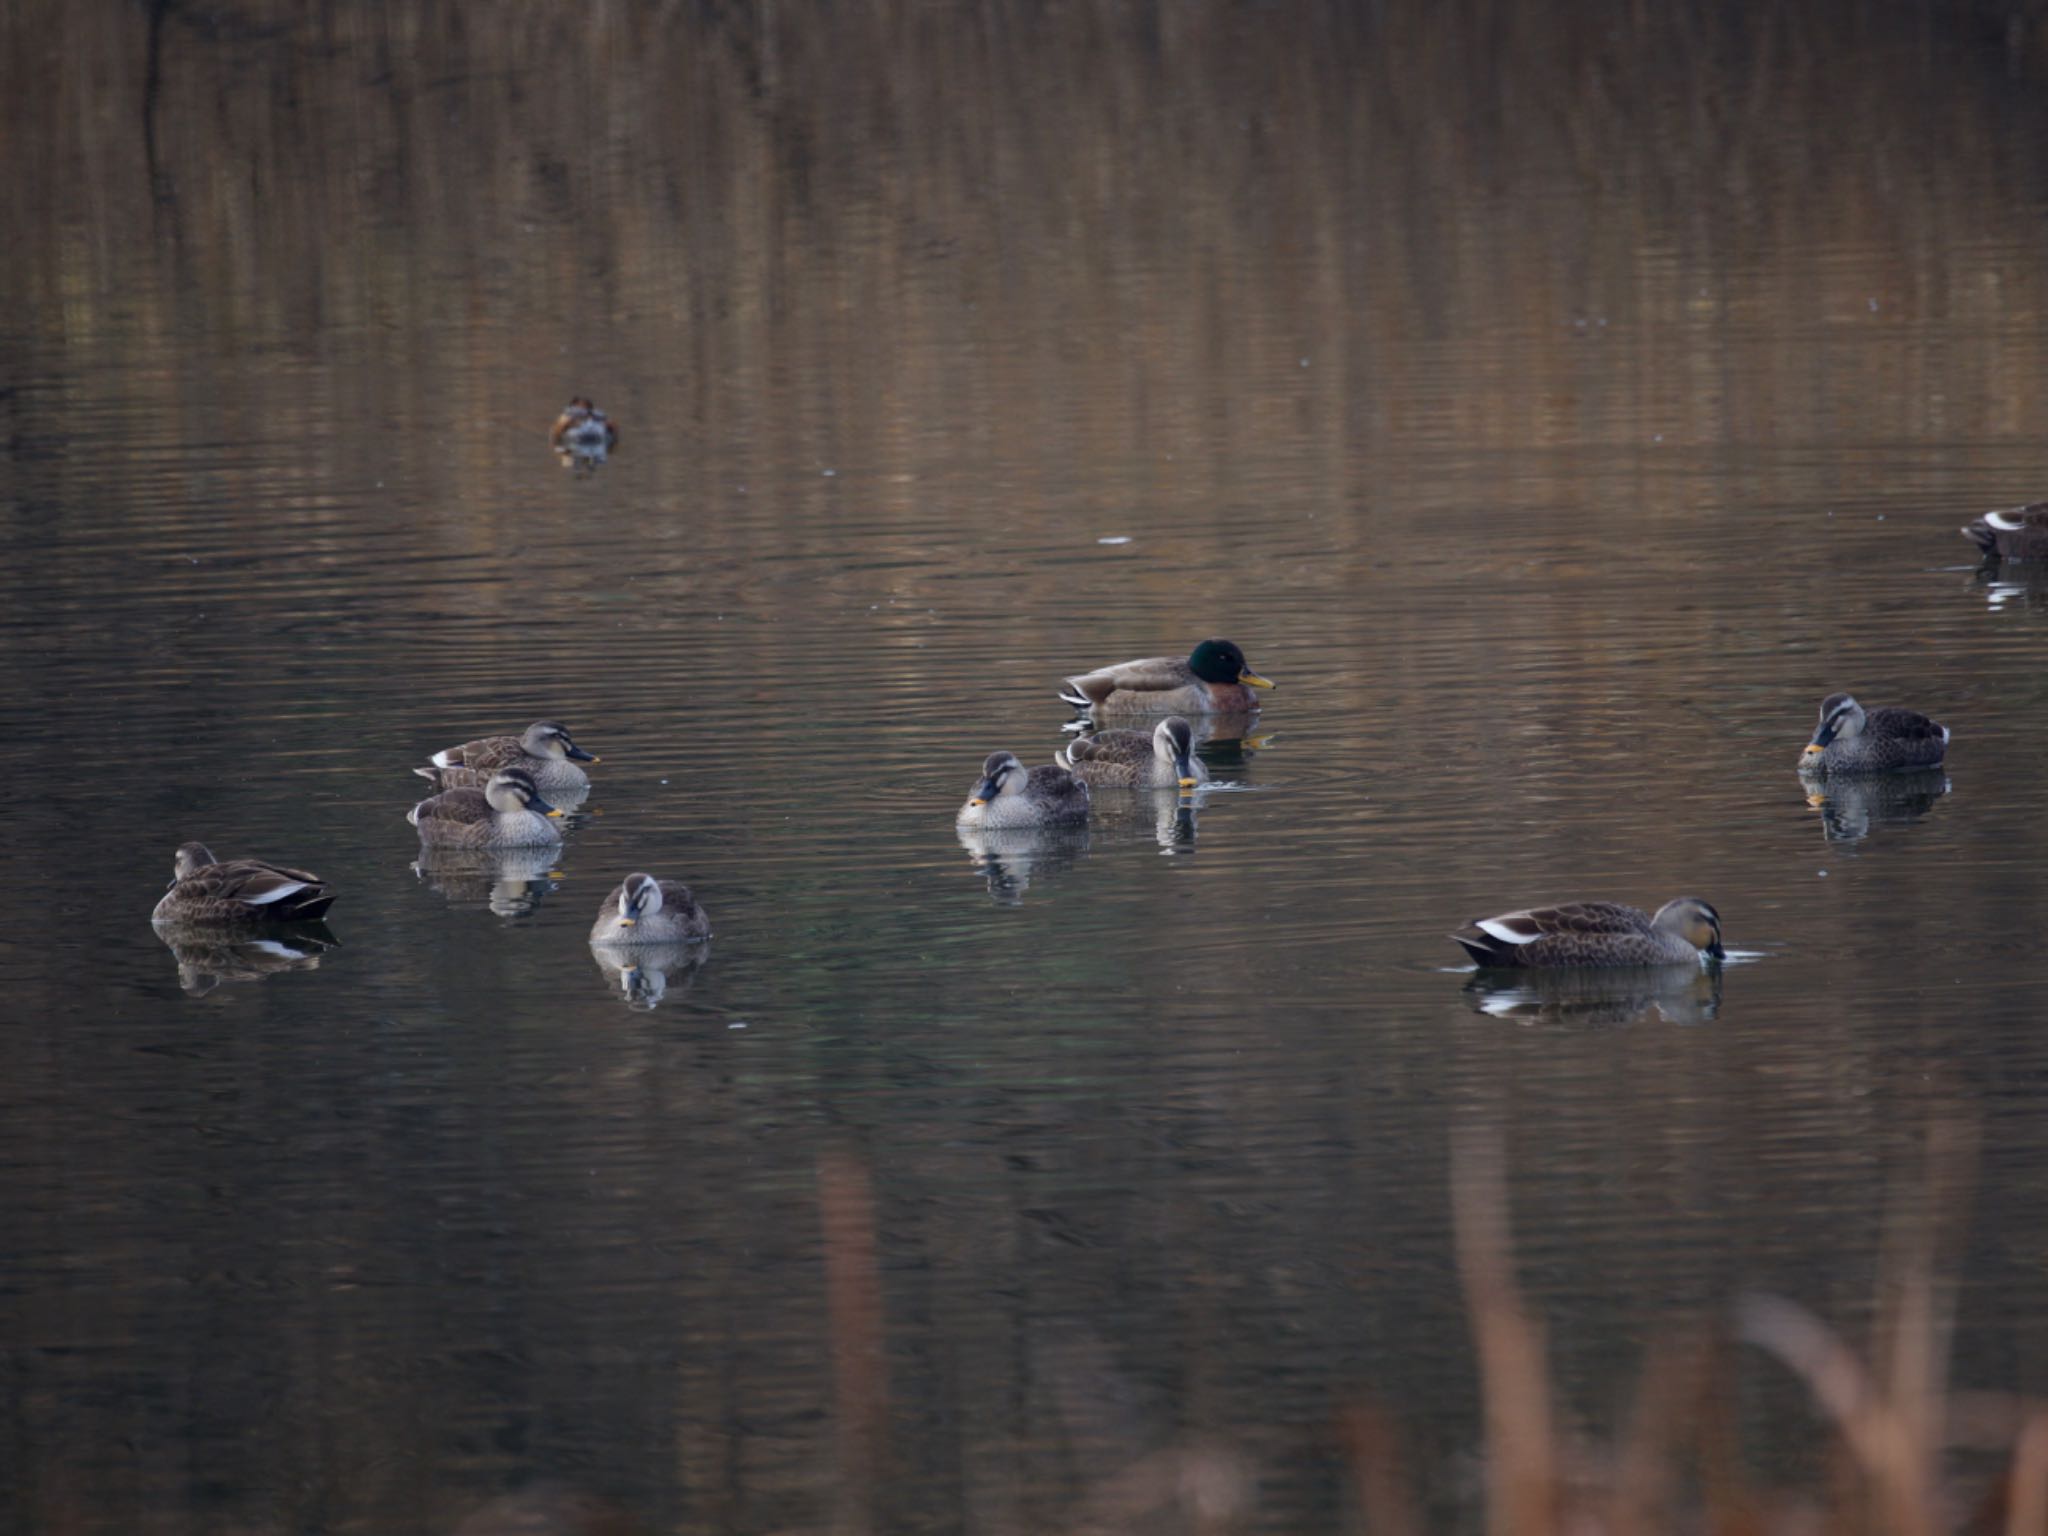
pixel 2004 522
pixel 289 888
pixel 1504 930
pixel 442 759
pixel 1944 735
pixel 1075 697
pixel 413 815
pixel 1063 759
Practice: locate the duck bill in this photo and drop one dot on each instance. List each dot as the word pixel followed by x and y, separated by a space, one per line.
pixel 1252 679
pixel 1821 738
pixel 984 792
pixel 578 755
pixel 538 804
pixel 627 922
pixel 1715 951
pixel 1186 770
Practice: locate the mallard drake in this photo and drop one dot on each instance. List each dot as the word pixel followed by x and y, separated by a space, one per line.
pixel 1008 796
pixel 1686 930
pixel 1215 679
pixel 544 752
pixel 2016 533
pixel 506 813
pixel 1165 759
pixel 205 890
pixel 583 426
pixel 644 910
pixel 1851 740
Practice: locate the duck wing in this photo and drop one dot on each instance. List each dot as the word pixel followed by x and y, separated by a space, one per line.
pixel 457 807
pixel 486 752
pixel 277 890
pixel 1130 748
pixel 1052 785
pixel 1907 725
pixel 1152 674
pixel 1495 940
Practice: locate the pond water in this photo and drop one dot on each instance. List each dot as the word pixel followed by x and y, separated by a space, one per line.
pixel 1555 406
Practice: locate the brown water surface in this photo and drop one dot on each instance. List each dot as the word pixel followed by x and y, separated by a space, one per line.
pixel 1556 402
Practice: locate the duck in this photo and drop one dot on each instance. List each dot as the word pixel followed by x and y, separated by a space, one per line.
pixel 1850 739
pixel 2016 533
pixel 206 890
pixel 545 753
pixel 1010 796
pixel 1165 759
pixel 1215 679
pixel 582 425
pixel 644 910
pixel 507 813
pixel 1684 931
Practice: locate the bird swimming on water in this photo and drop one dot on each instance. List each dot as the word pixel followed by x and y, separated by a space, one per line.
pixel 1215 679
pixel 1684 931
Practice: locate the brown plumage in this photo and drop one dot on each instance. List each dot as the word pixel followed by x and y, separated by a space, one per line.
pixel 1162 758
pixel 644 910
pixel 204 890
pixel 507 813
pixel 544 751
pixel 1214 679
pixel 1851 739
pixel 2015 533
pixel 1596 933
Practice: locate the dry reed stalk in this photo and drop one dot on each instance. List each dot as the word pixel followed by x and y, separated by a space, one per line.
pixel 853 1304
pixel 1521 1473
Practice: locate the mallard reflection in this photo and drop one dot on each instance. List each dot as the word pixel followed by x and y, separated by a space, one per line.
pixel 1012 857
pixel 644 973
pixel 1585 995
pixel 1849 808
pixel 207 957
pixel 510 881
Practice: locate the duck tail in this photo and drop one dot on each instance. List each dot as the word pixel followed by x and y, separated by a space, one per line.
pixel 1063 759
pixel 1481 946
pixel 1982 534
pixel 1072 694
pixel 413 815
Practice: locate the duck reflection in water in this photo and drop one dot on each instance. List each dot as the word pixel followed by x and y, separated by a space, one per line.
pixel 1849 808
pixel 510 881
pixel 208 957
pixel 1011 857
pixel 643 974
pixel 1588 995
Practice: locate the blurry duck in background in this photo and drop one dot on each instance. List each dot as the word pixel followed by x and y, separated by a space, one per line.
pixel 583 430
pixel 2016 533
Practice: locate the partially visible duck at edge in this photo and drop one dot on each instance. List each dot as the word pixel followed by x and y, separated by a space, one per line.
pixel 582 425
pixel 644 910
pixel 545 752
pixel 1851 739
pixel 2015 533
pixel 206 890
pixel 506 813
pixel 1165 759
pixel 1215 679
pixel 1009 795
pixel 1684 931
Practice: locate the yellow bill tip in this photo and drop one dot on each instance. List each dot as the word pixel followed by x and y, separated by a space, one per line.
pixel 1812 748
pixel 595 758
pixel 976 800
pixel 554 813
pixel 1189 783
pixel 1253 680
pixel 627 922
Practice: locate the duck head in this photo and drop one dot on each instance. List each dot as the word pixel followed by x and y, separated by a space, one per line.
pixel 1220 661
